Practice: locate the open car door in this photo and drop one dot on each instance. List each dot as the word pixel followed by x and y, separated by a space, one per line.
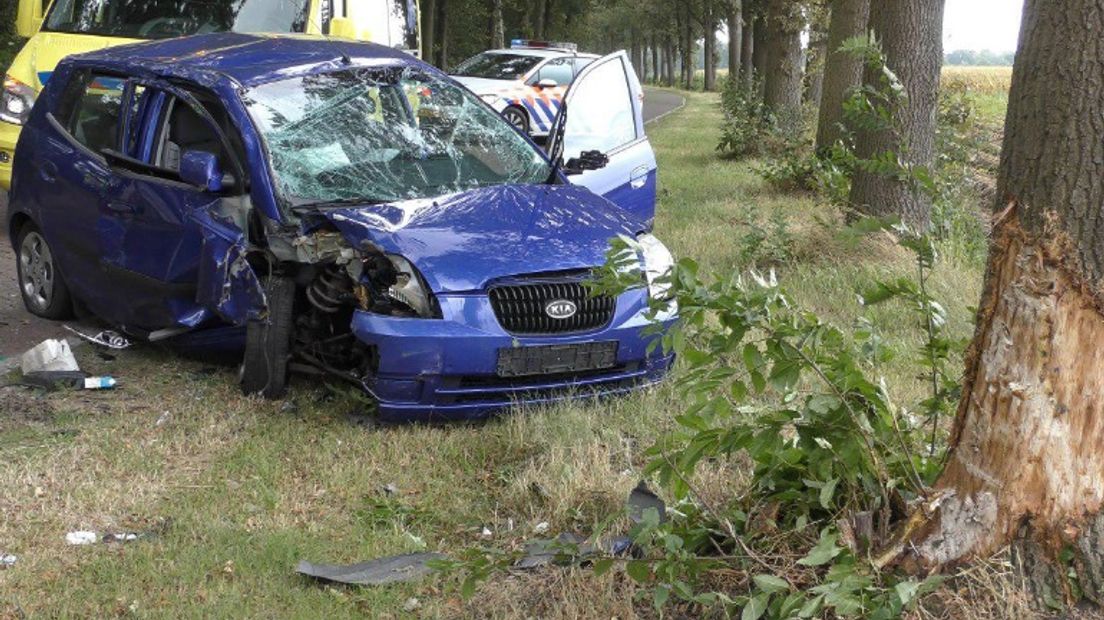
pixel 599 134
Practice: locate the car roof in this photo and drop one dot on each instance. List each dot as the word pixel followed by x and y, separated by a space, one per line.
pixel 248 59
pixel 540 52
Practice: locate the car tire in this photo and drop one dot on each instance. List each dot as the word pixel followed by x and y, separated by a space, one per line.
pixel 517 117
pixel 44 291
pixel 264 369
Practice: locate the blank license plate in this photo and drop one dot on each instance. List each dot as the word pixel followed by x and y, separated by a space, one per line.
pixel 556 359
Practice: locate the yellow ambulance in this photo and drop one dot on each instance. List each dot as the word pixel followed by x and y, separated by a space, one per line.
pixel 58 28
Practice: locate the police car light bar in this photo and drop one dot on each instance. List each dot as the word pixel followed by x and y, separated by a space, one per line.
pixel 530 44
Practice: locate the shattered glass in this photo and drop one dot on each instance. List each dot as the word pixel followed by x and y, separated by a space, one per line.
pixel 383 135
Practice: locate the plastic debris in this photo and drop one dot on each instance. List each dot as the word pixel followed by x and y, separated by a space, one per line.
pixel 374 572
pixel 81 538
pixel 74 379
pixel 411 604
pixel 568 547
pixel 106 338
pixel 99 383
pixel 641 499
pixel 541 528
pixel 7 560
pixel 49 355
pixel 122 537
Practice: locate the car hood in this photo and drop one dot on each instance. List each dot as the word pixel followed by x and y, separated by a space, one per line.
pixel 461 242
pixel 483 86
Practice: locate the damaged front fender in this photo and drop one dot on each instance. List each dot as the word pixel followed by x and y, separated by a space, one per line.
pixel 227 283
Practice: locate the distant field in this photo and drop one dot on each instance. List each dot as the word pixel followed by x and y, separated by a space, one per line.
pixel 980 80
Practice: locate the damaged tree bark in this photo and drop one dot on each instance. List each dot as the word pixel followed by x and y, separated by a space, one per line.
pixel 1026 461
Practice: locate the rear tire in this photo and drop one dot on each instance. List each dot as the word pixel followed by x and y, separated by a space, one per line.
pixel 517 117
pixel 264 369
pixel 43 289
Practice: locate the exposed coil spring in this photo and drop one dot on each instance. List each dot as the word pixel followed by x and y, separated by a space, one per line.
pixel 331 290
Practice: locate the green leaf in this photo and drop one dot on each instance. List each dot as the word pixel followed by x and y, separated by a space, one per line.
pixel 755 607
pixel 639 570
pixel 826 493
pixel 810 608
pixel 823 552
pixel 770 584
pixel 467 589
pixel 602 566
pixel 659 599
pixel 906 591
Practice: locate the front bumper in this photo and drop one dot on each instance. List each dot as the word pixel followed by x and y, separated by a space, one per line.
pixel 445 369
pixel 9 136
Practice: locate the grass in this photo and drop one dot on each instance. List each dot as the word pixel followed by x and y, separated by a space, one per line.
pixel 248 488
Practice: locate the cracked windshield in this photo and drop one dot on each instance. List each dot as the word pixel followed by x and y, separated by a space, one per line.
pixel 383 135
pixel 157 19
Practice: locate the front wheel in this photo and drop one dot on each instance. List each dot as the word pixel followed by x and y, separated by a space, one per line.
pixel 264 369
pixel 44 292
pixel 517 117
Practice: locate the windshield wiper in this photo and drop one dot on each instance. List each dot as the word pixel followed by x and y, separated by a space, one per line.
pixel 556 140
pixel 338 202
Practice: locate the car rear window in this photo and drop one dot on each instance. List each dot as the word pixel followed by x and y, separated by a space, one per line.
pixel 496 66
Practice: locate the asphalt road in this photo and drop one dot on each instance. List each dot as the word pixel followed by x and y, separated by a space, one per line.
pixel 20 331
pixel 659 103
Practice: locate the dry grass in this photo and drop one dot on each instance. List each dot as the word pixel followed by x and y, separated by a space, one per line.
pixel 978 80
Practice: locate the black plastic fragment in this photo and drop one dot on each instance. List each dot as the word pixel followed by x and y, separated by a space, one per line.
pixel 376 572
pixel 640 499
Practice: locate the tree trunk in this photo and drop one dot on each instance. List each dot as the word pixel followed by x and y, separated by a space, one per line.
pixel 782 88
pixel 539 25
pixel 911 35
pixel 709 45
pixel 735 38
pixel 442 35
pixel 655 60
pixel 687 49
pixel 842 72
pixel 546 19
pixel 669 61
pixel 759 53
pixel 429 30
pixel 814 67
pixel 747 54
pixel 498 28
pixel 1026 461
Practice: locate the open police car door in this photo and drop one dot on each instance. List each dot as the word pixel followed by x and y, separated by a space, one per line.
pixel 599 134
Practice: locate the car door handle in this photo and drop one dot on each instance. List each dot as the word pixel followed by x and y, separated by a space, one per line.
pixel 48 171
pixel 123 208
pixel 639 177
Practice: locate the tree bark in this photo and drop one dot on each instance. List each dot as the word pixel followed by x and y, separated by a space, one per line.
pixel 688 48
pixel 538 23
pixel 1026 461
pixel 709 47
pixel 911 36
pixel 842 72
pixel 747 54
pixel 442 35
pixel 759 53
pixel 498 28
pixel 655 60
pixel 735 38
pixel 669 61
pixel 782 88
pixel 429 30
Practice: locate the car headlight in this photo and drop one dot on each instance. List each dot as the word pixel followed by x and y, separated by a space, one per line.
pixel 658 263
pixel 410 290
pixel 16 101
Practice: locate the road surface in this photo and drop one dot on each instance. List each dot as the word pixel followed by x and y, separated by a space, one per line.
pixel 659 103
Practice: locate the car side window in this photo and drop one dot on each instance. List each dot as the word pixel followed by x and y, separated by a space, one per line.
pixel 94 116
pixel 182 128
pixel 558 69
pixel 600 116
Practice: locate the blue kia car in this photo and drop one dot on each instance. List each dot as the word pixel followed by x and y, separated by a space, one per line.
pixel 346 210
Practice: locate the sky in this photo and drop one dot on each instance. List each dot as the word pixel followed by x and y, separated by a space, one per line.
pixel 981 24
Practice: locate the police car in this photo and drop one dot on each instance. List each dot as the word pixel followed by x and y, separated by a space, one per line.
pixel 525 83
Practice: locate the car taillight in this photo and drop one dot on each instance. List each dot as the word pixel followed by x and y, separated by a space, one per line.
pixel 16 101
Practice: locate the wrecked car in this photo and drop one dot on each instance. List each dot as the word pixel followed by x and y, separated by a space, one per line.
pixel 342 209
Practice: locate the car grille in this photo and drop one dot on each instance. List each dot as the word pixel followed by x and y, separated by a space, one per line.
pixel 520 308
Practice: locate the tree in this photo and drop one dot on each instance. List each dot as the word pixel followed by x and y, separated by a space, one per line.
pixel 1026 461
pixel 910 34
pixel 842 71
pixel 747 54
pixel 817 52
pixel 498 27
pixel 782 79
pixel 735 28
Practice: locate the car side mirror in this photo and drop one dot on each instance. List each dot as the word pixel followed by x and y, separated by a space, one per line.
pixel 547 83
pixel 201 169
pixel 587 160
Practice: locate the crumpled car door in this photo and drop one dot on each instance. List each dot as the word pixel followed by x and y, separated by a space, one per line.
pixel 605 112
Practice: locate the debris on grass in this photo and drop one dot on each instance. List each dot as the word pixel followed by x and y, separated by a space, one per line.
pixel 641 499
pixel 569 548
pixel 67 379
pixel 541 528
pixel 376 572
pixel 106 338
pixel 7 560
pixel 81 538
pixel 49 355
